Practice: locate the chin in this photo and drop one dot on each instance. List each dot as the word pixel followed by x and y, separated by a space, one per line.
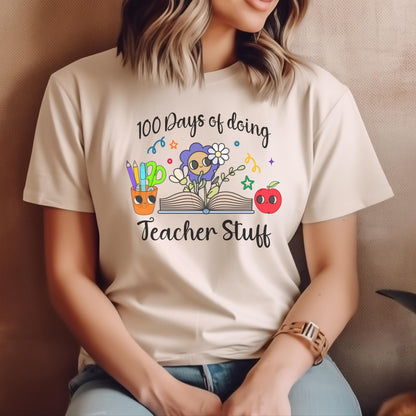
pixel 251 28
pixel 245 15
pixel 251 24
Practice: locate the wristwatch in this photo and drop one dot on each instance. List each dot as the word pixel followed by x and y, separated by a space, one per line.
pixel 312 333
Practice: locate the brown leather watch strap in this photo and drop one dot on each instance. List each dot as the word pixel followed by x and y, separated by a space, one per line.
pixel 312 333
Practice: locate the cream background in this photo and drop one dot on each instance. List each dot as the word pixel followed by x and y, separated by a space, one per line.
pixel 369 45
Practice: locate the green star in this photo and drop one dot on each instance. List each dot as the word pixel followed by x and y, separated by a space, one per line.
pixel 247 183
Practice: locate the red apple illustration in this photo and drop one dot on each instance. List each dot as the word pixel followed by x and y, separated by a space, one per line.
pixel 268 200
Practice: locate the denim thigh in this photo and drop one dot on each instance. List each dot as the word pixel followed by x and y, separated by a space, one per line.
pixel 322 391
pixel 95 393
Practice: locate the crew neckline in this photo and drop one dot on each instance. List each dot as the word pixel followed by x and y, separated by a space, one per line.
pixel 224 73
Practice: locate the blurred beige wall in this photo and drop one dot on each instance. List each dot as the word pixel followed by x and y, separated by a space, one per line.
pixel 37 355
pixel 370 45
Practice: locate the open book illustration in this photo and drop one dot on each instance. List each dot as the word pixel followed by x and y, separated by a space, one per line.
pixel 191 203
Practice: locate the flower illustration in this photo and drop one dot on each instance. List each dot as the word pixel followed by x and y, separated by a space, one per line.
pixel 197 160
pixel 218 153
pixel 179 176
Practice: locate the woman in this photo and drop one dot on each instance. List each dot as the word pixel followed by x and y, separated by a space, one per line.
pixel 173 174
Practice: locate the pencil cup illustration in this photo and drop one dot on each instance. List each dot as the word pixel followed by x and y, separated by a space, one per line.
pixel 144 201
pixel 143 179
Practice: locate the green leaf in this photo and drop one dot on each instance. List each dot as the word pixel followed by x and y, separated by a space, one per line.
pixel 213 191
pixel 231 170
pixel 183 181
pixel 241 167
pixel 222 176
pixel 186 190
pixel 226 179
pixel 273 184
pixel 215 180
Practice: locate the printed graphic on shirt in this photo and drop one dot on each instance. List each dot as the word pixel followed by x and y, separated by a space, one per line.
pixel 202 183
pixel 268 200
pixel 211 178
pixel 202 170
pixel 144 189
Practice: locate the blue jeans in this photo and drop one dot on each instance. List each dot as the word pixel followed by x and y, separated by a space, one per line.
pixel 322 391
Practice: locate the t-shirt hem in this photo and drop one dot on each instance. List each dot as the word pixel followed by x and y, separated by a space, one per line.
pixel 185 359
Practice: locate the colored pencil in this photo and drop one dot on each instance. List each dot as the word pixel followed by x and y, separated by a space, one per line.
pixel 143 174
pixel 131 174
pixel 136 171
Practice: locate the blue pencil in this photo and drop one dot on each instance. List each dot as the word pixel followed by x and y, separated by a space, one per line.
pixel 143 174
pixel 131 174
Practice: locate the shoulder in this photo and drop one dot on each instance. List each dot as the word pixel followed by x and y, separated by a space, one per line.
pixel 317 90
pixel 90 69
pixel 311 78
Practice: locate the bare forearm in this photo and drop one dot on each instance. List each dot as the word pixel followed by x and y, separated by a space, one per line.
pixel 71 254
pixel 71 248
pixel 96 324
pixel 330 301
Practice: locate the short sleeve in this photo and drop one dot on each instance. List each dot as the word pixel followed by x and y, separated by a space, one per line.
pixel 346 175
pixel 57 174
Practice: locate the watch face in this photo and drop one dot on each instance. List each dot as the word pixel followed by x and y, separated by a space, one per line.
pixel 310 332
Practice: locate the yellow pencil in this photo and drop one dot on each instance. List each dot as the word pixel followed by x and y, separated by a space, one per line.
pixel 136 172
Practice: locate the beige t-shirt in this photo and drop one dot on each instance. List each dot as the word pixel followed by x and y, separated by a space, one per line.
pixel 197 194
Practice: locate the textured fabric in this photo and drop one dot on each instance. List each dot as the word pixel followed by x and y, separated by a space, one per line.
pixel 322 391
pixel 200 284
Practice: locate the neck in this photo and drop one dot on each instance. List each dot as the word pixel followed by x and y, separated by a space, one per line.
pixel 218 47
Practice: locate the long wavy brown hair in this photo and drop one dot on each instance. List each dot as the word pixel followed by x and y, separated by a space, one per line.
pixel 161 39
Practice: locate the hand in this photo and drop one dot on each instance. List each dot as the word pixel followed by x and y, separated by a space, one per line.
pixel 259 395
pixel 256 402
pixel 180 399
